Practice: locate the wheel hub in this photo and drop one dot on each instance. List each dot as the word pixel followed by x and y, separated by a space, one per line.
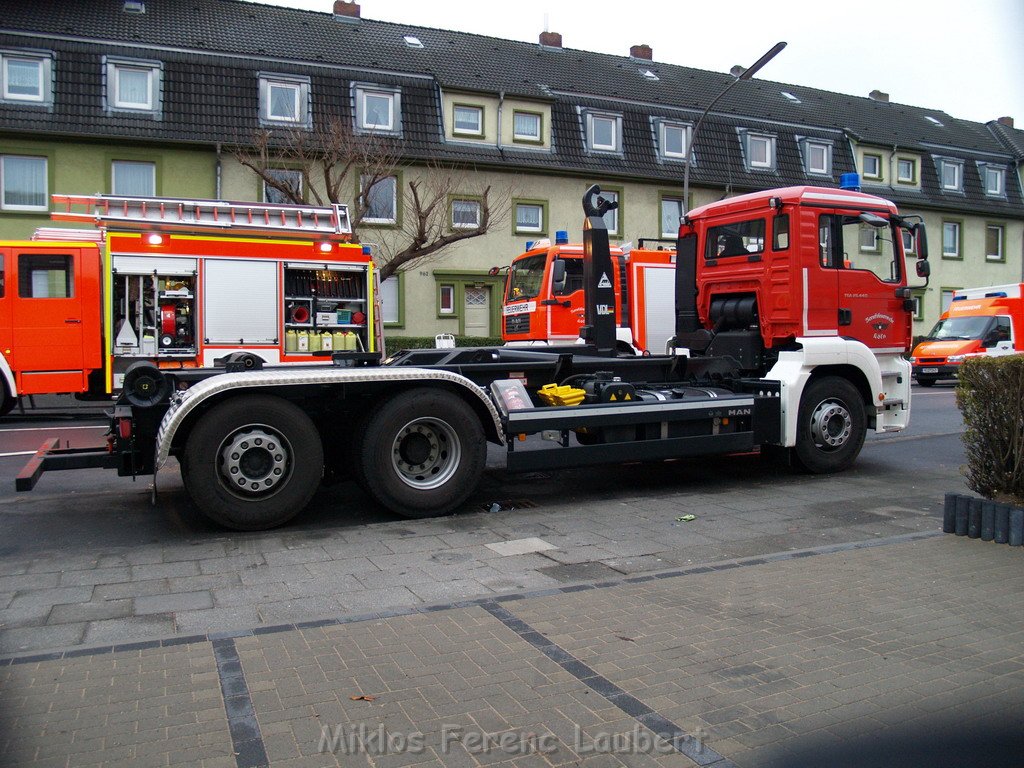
pixel 254 461
pixel 831 424
pixel 426 453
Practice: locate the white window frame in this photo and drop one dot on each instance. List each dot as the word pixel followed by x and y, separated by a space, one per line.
pixel 951 254
pixel 769 142
pixel 446 296
pixel 292 172
pixel 664 126
pixel 476 207
pixel 3 184
pixel 534 139
pixel 113 176
pixel 616 125
pixel 661 211
pixel 994 172
pixel 391 300
pixel 864 165
pixel 912 179
pixel 383 221
pixel 872 246
pixel 478 131
pixel 519 228
pixel 999 254
pixel 154 84
pixel 300 88
pixel 394 98
pixel 957 166
pixel 611 218
pixel 44 62
pixel 809 147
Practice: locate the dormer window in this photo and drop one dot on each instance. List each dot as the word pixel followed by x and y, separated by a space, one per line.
pixel 133 85
pixel 26 77
pixel 284 100
pixel 758 150
pixel 993 178
pixel 604 132
pixel 673 140
pixel 951 174
pixel 468 120
pixel 378 109
pixel 526 127
pixel 817 156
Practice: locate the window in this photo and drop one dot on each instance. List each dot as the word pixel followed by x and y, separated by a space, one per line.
pixel 378 109
pixel 529 218
pixel 526 127
pixel 671 213
pixel 446 299
pixel 611 219
pixel 994 242
pixel 26 77
pixel 995 180
pixel 133 179
pixel 132 85
pixel 951 240
pixel 465 214
pixel 391 300
pixel 284 99
pixel 23 183
pixel 817 157
pixel 673 140
pixel 780 232
pixel 952 175
pixel 906 170
pixel 287 178
pixel 868 239
pixel 45 276
pixel 468 120
pixel 381 201
pixel 759 150
pixel 742 238
pixel 918 298
pixel 604 132
pixel 908 242
pixel 947 297
pixel 872 165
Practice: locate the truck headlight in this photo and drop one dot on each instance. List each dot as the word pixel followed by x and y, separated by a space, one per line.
pixel 913 361
pixel 956 358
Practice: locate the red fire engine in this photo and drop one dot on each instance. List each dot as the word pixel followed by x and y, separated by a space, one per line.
pixel 179 283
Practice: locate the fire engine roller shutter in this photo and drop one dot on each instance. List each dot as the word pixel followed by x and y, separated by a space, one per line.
pixel 660 307
pixel 240 301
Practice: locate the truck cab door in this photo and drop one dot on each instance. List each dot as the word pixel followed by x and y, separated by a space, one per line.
pixel 47 319
pixel 871 272
pixel 821 278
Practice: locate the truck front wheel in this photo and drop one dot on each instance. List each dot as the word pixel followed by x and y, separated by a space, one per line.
pixel 422 452
pixel 831 425
pixel 253 462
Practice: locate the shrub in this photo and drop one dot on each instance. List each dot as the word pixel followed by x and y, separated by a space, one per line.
pixel 990 394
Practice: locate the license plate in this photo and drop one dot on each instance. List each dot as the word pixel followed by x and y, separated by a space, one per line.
pixel 929 370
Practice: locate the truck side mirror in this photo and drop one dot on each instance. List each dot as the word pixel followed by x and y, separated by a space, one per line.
pixel 557 275
pixel 921 241
pixel 924 268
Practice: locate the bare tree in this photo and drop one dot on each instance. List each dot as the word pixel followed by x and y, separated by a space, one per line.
pixel 334 162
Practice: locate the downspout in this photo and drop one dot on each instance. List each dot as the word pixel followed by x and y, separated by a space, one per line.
pixel 217 195
pixel 501 107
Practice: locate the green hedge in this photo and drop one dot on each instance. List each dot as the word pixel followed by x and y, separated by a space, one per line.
pixel 396 343
pixel 990 394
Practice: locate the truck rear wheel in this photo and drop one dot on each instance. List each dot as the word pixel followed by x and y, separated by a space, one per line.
pixel 253 462
pixel 422 452
pixel 831 425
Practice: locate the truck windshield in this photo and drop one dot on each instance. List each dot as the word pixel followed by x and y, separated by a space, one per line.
pixel 960 328
pixel 527 277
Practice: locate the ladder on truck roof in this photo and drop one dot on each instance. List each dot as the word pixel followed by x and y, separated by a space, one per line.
pixel 161 213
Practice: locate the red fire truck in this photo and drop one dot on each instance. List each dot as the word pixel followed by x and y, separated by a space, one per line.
pixel 179 283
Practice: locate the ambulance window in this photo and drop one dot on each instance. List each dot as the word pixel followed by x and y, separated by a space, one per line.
pixel 1002 329
pixel 780 232
pixel 573 277
pixel 45 276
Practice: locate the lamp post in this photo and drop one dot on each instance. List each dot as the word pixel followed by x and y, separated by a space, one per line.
pixel 745 75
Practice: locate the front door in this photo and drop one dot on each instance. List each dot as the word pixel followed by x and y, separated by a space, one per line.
pixel 478 311
pixel 46 351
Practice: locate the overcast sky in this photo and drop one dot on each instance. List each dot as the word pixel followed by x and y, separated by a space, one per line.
pixel 964 58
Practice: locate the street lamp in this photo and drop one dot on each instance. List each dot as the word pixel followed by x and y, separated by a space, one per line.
pixel 745 75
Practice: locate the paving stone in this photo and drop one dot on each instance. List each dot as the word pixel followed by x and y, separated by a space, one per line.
pixel 182 601
pixel 91 611
pixel 129 629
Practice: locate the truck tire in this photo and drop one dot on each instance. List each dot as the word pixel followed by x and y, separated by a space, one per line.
pixel 422 452
pixel 253 462
pixel 926 381
pixel 7 402
pixel 831 426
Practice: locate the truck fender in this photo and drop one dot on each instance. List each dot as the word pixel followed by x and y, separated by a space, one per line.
pixel 183 403
pixel 887 377
pixel 8 376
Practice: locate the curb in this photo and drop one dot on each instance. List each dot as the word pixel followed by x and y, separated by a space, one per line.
pixel 976 518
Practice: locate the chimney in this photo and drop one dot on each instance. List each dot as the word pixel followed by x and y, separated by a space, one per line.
pixel 737 70
pixel 642 51
pixel 550 39
pixel 1005 120
pixel 346 10
pixel 877 95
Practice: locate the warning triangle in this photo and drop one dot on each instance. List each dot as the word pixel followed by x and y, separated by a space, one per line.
pixel 604 282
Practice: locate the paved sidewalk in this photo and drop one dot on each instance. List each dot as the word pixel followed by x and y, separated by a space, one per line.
pixel 906 650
